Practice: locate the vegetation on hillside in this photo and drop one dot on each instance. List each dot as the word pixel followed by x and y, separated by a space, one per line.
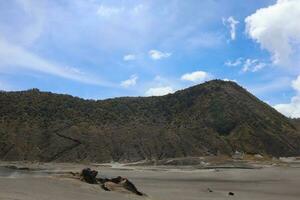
pixel 216 117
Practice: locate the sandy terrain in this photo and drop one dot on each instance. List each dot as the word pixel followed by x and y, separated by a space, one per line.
pixel 267 183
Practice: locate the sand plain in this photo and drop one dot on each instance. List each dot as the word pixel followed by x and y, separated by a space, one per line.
pixel 52 181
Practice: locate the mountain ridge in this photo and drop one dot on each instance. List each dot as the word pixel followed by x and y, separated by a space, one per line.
pixel 216 117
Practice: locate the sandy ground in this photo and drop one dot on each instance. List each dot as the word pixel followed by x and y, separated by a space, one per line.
pixel 267 183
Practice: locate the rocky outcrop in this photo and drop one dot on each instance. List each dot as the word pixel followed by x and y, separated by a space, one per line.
pixel 90 176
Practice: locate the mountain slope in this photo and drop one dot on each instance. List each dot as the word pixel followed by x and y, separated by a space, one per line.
pixel 216 117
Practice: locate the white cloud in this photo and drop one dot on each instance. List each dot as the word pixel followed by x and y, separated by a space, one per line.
pixel 232 80
pixel 157 55
pixel 196 77
pixel 13 56
pixel 108 11
pixel 130 82
pixel 276 28
pixel 231 23
pixel 296 84
pixel 129 57
pixel 292 109
pixel 159 91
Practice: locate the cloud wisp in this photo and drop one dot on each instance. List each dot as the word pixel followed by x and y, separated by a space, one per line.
pixel 129 57
pixel 159 91
pixel 130 82
pixel 16 57
pixel 108 11
pixel 234 63
pixel 157 55
pixel 231 23
pixel 247 64
pixel 253 65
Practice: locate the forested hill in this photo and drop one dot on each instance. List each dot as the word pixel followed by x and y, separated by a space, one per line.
pixel 216 117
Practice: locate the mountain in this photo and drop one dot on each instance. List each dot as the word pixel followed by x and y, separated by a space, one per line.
pixel 216 117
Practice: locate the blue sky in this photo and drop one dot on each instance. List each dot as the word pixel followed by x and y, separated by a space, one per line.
pixel 111 48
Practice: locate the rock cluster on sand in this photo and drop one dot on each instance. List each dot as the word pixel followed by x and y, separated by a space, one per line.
pixel 90 176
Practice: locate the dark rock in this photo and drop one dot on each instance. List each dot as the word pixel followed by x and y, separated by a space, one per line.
pixel 11 167
pixel 116 180
pixel 104 188
pixel 121 181
pixel 89 176
pixel 75 173
pixel 17 168
pixel 131 187
pixel 231 194
pixel 209 190
pixel 24 168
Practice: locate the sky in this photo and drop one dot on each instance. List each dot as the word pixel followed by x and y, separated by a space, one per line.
pixel 98 49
